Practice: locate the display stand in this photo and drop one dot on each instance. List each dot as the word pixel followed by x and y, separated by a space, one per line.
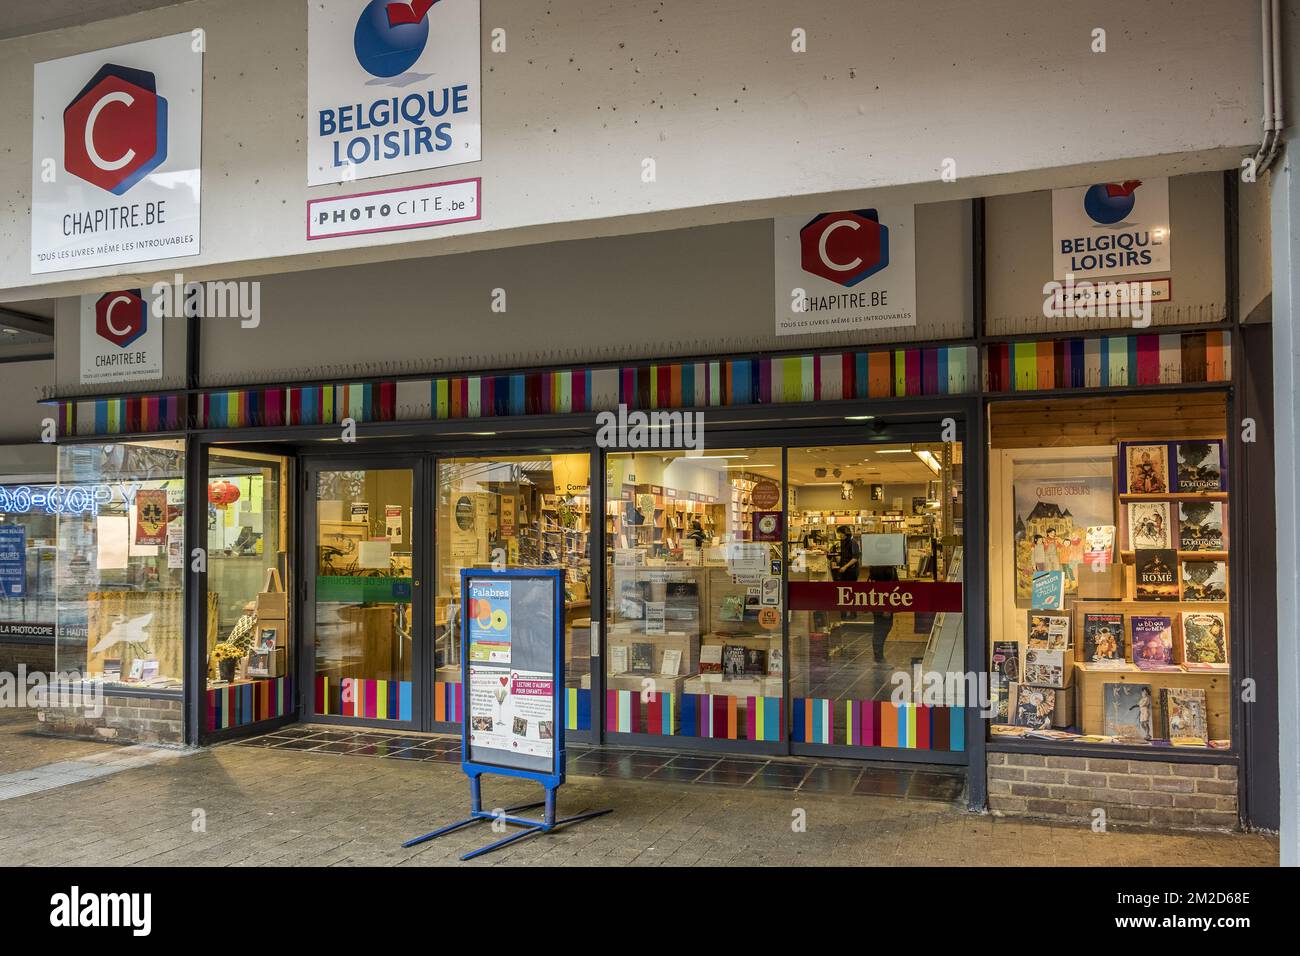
pixel 507 641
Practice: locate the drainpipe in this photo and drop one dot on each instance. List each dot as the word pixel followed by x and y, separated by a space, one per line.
pixel 1271 38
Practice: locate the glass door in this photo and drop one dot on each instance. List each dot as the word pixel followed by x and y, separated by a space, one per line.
pixel 365 616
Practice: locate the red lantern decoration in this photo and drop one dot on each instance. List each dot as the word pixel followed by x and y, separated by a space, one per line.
pixel 223 493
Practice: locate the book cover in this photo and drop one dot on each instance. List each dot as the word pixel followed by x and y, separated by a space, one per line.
pixel 1050 518
pixel 618 659
pixel 1184 714
pixel 1127 710
pixel 1199 466
pixel 733 660
pixel 1049 632
pixel 1005 672
pixel 775 662
pixel 755 662
pixel 1146 469
pixel 1044 667
pixel 1155 574
pixel 1103 640
pixel 1048 590
pixel 1032 706
pixel 1205 640
pixel 710 658
pixel 732 608
pixel 1153 642
pixel 1200 526
pixel 1099 545
pixel 643 659
pixel 1149 525
pixel 1205 580
pixel 672 662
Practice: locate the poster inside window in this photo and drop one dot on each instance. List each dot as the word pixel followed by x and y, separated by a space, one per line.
pixel 1109 571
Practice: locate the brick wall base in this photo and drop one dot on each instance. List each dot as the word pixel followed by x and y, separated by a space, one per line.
pixel 1138 792
pixel 125 719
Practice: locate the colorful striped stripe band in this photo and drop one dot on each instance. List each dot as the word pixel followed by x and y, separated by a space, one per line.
pixel 577 709
pixel 325 405
pixel 122 416
pixel 448 704
pixel 1117 361
pixel 876 723
pixel 242 704
pixel 372 699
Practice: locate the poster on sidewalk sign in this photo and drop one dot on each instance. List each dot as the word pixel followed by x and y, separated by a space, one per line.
pixel 513 660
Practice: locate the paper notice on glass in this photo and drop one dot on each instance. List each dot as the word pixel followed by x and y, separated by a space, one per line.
pixel 112 537
pixel 393 523
pixel 375 554
pixel 744 557
pixel 654 617
pixel 251 519
pixel 175 546
pixel 329 510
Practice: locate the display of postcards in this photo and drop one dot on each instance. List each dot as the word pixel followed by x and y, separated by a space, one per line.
pixel 732 607
pixel 733 660
pixel 1205 580
pixel 1146 468
pixel 520 727
pixel 710 658
pixel 1047 592
pixel 1046 668
pixel 1155 574
pixel 1032 706
pixel 1153 642
pixel 1200 526
pixel 1049 632
pixel 642 660
pixel 1199 466
pixel 1183 712
pixel 1149 525
pixel 1205 640
pixel 1103 640
pixel 1099 545
pixel 1127 710
pixel 755 661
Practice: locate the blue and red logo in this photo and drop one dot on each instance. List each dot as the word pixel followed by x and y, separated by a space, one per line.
pixel 390 36
pixel 1108 203
pixel 844 247
pixel 121 317
pixel 115 129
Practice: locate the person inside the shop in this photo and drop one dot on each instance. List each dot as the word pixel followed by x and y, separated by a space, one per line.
pixel 881 623
pixel 848 562
pixel 697 534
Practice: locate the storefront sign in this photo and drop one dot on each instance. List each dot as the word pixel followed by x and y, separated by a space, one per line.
pixel 1109 229
pixel 13 561
pixel 115 155
pixel 513 668
pixel 61 499
pixel 151 516
pixel 412 207
pixel 841 271
pixel 391 87
pixel 121 338
pixel 22 632
pixel 887 597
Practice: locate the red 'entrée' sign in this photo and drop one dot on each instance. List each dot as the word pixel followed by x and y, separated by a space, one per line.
pixel 890 597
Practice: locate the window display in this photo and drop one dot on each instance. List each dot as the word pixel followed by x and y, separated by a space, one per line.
pixel 28 546
pixel 694 603
pixel 120 571
pixel 248 569
pixel 1108 529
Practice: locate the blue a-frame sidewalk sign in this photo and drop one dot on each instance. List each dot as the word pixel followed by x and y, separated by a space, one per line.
pixel 508 644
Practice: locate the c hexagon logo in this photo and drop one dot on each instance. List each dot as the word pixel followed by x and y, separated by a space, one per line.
pixel 844 247
pixel 115 129
pixel 121 317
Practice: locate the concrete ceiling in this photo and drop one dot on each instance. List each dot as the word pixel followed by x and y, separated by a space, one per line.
pixel 37 16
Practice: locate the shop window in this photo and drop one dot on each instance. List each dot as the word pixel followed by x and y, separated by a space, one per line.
pixel 28 546
pixel 1109 570
pixel 695 547
pixel 877 513
pixel 120 570
pixel 364 613
pixel 249 650
pixel 531 511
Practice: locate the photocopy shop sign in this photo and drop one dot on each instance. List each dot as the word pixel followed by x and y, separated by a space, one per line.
pixel 386 210
pixel 1110 229
pixel 116 137
pixel 391 87
pixel 841 271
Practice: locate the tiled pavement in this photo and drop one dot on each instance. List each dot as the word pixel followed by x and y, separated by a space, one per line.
pixel 268 804
pixel 755 772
